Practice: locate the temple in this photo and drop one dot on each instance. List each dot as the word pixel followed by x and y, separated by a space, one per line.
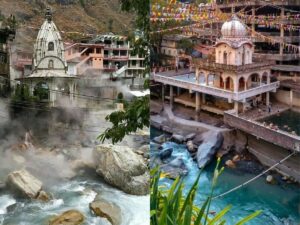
pixel 229 80
pixel 49 80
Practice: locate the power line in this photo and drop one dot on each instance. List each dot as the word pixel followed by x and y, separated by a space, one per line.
pixel 83 96
pixel 254 178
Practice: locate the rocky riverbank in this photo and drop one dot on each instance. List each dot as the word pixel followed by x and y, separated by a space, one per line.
pixel 207 143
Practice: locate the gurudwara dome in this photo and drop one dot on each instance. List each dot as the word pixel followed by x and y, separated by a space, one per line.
pixel 234 28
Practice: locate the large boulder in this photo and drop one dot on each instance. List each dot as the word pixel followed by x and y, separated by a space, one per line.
pixel 70 217
pixel 212 141
pixel 105 209
pixel 121 167
pixel 175 168
pixel 27 185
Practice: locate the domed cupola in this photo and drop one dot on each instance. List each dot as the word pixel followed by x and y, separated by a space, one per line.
pixel 234 28
pixel 235 47
pixel 48 48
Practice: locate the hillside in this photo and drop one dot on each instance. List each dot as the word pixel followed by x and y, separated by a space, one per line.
pixel 79 16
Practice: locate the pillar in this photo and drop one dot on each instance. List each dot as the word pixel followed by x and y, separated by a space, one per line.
pixel 225 84
pixel 291 97
pixel 198 102
pixel 245 84
pixel 267 98
pixel 171 97
pixel 236 107
pixel 235 86
pixel 163 93
pixel 281 32
pixel 206 78
pixel 203 98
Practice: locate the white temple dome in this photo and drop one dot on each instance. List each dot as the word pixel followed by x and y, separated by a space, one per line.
pixel 234 28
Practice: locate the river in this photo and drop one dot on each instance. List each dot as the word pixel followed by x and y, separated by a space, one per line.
pixel 75 194
pixel 280 203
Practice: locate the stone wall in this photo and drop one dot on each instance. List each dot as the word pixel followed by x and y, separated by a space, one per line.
pixel 277 137
pixel 284 97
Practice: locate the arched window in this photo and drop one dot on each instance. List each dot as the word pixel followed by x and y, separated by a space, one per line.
pixel 225 57
pixel 51 46
pixel 50 64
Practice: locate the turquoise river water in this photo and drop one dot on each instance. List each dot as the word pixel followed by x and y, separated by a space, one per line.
pixel 280 203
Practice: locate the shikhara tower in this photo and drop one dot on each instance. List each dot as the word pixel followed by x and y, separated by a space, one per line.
pixel 49 80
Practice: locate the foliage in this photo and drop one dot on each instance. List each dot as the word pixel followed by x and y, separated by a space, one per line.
pixel 120 97
pixel 171 207
pixel 135 116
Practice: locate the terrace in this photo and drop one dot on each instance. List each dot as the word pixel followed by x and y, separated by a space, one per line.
pixel 187 80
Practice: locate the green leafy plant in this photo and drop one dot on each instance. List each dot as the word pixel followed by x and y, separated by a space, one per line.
pixel 172 207
pixel 135 116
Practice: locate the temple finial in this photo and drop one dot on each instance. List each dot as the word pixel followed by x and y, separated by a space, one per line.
pixel 48 14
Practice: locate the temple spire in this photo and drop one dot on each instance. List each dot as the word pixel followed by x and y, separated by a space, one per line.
pixel 48 14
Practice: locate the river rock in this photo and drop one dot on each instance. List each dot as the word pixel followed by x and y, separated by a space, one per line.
pixel 175 168
pixel 71 217
pixel 121 167
pixel 105 209
pixel 190 146
pixel 43 196
pixel 212 141
pixel 160 139
pixel 179 139
pixel 190 136
pixel 165 153
pixel 25 183
pixel 236 158
pixel 270 179
pixel 229 163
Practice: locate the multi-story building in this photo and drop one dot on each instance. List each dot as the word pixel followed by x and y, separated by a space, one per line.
pixel 105 55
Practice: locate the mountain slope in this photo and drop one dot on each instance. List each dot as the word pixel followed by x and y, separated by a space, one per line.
pixel 75 18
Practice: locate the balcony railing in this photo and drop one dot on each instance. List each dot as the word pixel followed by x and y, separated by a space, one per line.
pixel 116 46
pixel 236 96
pixel 209 65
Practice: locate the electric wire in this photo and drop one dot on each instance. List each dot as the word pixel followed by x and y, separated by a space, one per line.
pixel 254 178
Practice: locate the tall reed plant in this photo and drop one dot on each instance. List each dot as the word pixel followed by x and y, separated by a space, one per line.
pixel 173 207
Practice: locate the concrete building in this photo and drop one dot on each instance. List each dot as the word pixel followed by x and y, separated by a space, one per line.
pixel 49 80
pixel 233 80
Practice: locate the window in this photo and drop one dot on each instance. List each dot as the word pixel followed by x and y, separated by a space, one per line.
pixel 51 46
pixel 50 64
pixel 98 50
pixel 225 57
pixel 133 63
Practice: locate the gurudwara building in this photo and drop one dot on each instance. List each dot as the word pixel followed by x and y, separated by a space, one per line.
pixel 49 80
pixel 232 80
